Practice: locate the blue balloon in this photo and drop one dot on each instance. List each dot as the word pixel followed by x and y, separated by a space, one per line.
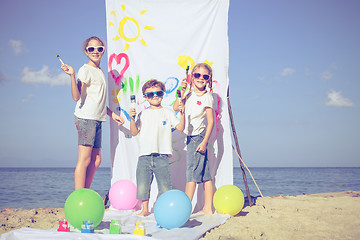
pixel 172 209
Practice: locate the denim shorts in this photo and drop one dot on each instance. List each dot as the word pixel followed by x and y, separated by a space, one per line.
pixel 197 164
pixel 89 132
pixel 148 166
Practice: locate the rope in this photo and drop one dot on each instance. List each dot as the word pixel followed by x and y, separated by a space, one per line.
pixel 248 171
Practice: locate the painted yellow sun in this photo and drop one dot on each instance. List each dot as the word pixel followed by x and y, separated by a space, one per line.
pixel 129 29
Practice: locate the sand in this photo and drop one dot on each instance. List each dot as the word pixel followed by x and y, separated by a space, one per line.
pixel 313 216
pixel 40 218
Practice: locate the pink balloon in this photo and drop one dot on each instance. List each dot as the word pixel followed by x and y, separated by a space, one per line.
pixel 122 195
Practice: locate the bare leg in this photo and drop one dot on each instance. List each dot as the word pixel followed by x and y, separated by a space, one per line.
pixel 208 197
pixel 190 189
pixel 145 208
pixel 84 159
pixel 93 166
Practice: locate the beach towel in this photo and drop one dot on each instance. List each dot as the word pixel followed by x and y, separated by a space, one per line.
pixel 159 39
pixel 195 228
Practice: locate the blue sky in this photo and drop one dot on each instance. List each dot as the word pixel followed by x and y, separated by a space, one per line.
pixel 294 81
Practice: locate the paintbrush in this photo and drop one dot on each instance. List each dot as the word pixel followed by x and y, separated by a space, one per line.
pixel 187 74
pixel 133 101
pixel 178 92
pixel 57 55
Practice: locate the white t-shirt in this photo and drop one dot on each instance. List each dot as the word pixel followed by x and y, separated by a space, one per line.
pixel 195 112
pixel 92 103
pixel 155 131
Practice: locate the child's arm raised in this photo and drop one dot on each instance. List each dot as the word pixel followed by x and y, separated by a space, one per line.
pixel 210 124
pixel 183 89
pixel 181 125
pixel 133 128
pixel 75 86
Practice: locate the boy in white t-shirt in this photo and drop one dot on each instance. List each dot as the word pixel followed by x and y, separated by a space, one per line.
pixel 155 144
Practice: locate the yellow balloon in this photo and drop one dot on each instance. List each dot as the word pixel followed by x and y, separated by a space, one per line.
pixel 228 199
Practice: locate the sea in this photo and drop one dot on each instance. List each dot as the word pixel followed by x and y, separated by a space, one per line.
pixel 28 188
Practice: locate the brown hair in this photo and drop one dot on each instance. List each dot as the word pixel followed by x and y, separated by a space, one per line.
pixel 86 42
pixel 152 83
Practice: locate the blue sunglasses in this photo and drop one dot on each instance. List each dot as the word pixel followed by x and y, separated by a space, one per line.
pixel 152 94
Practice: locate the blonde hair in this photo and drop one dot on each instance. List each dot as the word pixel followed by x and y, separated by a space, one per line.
pixel 208 68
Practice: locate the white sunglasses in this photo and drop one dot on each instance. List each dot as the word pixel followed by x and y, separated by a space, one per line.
pixel 100 49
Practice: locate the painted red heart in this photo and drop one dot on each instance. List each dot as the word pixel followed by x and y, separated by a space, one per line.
pixel 198 102
pixel 118 58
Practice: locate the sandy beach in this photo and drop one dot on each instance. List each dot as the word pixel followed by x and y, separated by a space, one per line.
pixel 313 216
pixel 40 218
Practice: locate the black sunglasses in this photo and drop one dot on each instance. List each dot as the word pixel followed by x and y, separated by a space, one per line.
pixel 152 94
pixel 198 75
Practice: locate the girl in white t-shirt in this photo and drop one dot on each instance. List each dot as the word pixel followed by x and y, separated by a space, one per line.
pixel 89 91
pixel 198 108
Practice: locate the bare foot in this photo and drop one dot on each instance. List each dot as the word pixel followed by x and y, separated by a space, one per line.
pixel 144 213
pixel 206 211
pixel 106 198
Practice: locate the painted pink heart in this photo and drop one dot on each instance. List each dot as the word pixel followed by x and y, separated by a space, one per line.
pixel 198 103
pixel 118 58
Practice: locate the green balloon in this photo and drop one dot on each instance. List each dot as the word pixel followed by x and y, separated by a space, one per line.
pixel 84 205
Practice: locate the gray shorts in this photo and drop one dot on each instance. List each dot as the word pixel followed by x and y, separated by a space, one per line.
pixel 197 164
pixel 89 132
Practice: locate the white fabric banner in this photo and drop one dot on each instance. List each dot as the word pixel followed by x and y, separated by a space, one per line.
pixel 158 39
